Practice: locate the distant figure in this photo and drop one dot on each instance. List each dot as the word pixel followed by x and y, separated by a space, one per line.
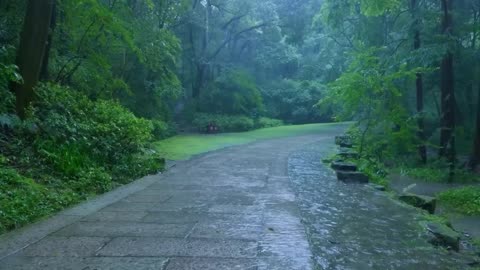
pixel 212 128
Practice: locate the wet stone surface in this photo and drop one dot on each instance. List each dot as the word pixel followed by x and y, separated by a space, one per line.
pixel 229 209
pixel 242 208
pixel 358 227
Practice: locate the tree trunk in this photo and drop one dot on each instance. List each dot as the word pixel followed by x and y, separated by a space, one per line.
pixel 422 149
pixel 448 103
pixel 31 51
pixel 198 85
pixel 44 75
pixel 476 144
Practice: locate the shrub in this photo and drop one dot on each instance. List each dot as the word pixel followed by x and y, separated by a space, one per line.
pixel 162 130
pixel 264 122
pixel 225 123
pixel 91 181
pixel 138 165
pixel 8 73
pixel 79 134
pixel 233 93
pixel 22 200
pixel 293 101
pixel 73 147
pixel 117 133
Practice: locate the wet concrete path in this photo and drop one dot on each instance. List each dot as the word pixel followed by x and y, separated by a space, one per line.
pixel 230 209
pixel 358 227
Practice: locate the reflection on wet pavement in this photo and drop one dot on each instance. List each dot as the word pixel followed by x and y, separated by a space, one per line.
pixel 357 227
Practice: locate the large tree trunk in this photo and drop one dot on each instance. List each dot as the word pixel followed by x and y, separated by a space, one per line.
pixel 476 143
pixel 44 75
pixel 448 103
pixel 422 149
pixel 31 51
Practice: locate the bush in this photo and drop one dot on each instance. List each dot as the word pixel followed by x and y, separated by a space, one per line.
pixel 73 148
pixel 8 73
pixel 22 200
pixel 162 130
pixel 293 101
pixel 79 134
pixel 264 122
pixel 233 93
pixel 225 123
pixel 91 181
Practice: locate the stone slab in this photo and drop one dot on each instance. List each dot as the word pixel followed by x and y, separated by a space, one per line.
pixel 160 247
pixel 59 246
pixel 85 263
pixel 132 229
pixel 222 230
pixel 211 264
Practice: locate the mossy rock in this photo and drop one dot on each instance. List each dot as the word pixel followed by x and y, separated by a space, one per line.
pixel 352 177
pixel 346 153
pixel 442 235
pixel 377 187
pixel 420 201
pixel 344 141
pixel 344 166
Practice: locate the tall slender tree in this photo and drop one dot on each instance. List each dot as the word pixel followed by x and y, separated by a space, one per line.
pixel 31 51
pixel 448 103
pixel 422 149
pixel 476 144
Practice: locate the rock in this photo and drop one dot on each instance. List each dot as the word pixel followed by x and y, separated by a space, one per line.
pixel 420 201
pixel 327 160
pixel 344 141
pixel 346 153
pixel 344 166
pixel 442 235
pixel 377 187
pixel 352 177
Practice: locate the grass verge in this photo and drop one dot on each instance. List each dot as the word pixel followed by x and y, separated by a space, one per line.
pixel 184 146
pixel 464 200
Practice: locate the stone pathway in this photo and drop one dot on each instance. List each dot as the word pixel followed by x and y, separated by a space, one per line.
pixel 229 209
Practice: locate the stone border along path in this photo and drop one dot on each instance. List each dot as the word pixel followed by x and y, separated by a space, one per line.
pixel 229 209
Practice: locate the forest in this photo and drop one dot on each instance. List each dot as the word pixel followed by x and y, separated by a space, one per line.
pixel 89 87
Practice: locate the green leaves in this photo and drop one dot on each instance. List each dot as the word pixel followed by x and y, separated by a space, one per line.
pixel 378 7
pixel 369 93
pixel 235 92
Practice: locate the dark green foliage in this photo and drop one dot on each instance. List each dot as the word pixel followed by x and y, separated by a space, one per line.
pixel 233 123
pixel 225 123
pixel 437 171
pixel 294 101
pixel 8 73
pixel 22 200
pixel 265 122
pixel 70 148
pixel 234 93
pixel 102 131
pixel 163 130
pixel 91 180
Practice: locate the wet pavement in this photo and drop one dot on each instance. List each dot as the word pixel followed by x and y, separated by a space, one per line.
pixel 229 209
pixel 269 205
pixel 358 227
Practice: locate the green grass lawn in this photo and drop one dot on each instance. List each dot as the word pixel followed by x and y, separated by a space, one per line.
pixel 184 146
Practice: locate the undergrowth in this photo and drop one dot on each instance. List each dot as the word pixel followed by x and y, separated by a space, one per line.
pixel 68 149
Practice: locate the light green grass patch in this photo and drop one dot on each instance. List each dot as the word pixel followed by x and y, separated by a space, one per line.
pixel 184 146
pixel 464 200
